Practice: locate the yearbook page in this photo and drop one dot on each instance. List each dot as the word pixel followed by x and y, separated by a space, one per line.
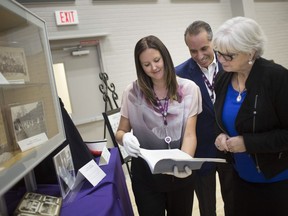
pixel 164 160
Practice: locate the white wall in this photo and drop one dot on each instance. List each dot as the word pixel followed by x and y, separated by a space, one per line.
pixel 273 17
pixel 127 21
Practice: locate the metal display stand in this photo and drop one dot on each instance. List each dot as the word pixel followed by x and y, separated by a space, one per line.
pixel 110 98
pixel 108 91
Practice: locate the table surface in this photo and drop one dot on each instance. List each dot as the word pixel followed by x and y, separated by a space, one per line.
pixel 109 197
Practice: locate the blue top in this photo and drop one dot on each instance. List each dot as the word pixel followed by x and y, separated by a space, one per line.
pixel 244 164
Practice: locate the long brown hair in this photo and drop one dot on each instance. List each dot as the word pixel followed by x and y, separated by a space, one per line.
pixel 144 81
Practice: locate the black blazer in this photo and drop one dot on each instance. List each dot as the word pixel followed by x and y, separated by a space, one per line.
pixel 263 118
pixel 206 119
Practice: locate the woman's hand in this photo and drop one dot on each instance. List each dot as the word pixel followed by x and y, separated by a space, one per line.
pixel 236 144
pixel 131 144
pixel 230 144
pixel 184 174
pixel 221 142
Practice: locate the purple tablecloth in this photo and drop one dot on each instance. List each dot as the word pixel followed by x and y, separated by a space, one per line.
pixel 109 197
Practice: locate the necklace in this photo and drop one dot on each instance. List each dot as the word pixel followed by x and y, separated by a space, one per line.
pixel 239 97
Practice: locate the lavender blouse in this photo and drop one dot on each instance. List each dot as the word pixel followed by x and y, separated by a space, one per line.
pixel 147 122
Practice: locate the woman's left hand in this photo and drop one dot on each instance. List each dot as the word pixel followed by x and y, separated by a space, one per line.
pixel 236 144
pixel 187 172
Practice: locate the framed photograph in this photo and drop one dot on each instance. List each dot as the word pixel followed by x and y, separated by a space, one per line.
pixel 65 170
pixel 13 65
pixel 5 148
pixel 29 126
pixel 3 136
pixel 39 204
pixel 44 1
pixel 112 119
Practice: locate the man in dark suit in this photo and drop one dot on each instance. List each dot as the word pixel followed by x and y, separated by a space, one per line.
pixel 202 68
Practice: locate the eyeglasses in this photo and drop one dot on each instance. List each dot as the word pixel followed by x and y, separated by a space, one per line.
pixel 227 57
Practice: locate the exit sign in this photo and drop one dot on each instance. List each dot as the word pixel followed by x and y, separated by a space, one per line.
pixel 66 17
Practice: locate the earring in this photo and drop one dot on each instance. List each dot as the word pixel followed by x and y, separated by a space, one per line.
pixel 250 62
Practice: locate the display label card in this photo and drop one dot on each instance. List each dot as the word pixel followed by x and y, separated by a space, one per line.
pixel 32 141
pixel 3 80
pixel 105 156
pixel 92 172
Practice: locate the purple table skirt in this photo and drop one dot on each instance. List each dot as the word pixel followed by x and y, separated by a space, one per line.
pixel 109 197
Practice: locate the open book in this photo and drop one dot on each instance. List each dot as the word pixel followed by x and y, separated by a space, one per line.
pixel 163 161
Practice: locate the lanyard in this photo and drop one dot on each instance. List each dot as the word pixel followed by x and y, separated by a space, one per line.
pixel 163 109
pixel 209 85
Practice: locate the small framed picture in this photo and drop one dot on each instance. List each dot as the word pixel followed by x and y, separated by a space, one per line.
pixel 65 170
pixel 13 65
pixel 28 121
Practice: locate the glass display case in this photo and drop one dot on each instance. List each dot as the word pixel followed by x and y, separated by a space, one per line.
pixel 31 125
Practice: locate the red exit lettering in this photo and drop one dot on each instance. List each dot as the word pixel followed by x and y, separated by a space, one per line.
pixel 67 17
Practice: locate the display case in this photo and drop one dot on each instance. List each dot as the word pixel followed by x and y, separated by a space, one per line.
pixel 31 125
